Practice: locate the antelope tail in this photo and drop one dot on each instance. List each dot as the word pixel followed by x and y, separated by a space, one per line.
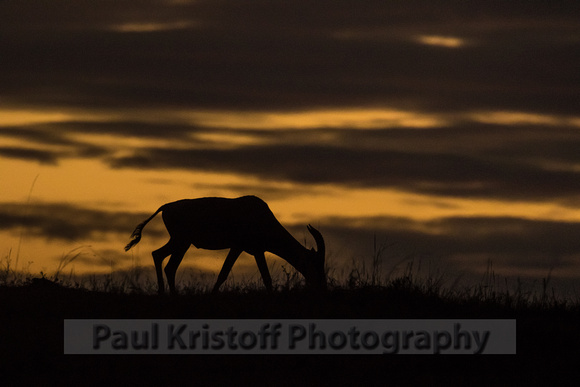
pixel 137 232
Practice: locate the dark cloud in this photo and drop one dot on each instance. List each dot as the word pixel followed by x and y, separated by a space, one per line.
pixel 68 222
pixel 262 190
pixel 515 242
pixel 521 162
pixel 408 160
pixel 41 156
pixel 62 133
pixel 55 146
pixel 512 243
pixel 141 129
pixel 35 135
pixel 449 246
pixel 264 55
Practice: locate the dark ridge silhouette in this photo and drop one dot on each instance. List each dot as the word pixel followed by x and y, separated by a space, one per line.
pixel 32 340
pixel 242 224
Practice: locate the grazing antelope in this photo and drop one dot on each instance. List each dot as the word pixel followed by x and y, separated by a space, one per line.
pixel 242 224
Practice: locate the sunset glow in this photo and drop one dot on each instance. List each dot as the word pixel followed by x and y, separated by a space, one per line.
pixel 345 118
pixel 442 41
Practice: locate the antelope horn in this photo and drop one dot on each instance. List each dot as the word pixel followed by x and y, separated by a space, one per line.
pixel 320 247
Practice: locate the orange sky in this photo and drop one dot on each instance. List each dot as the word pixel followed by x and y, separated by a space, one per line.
pixel 90 184
pixel 453 135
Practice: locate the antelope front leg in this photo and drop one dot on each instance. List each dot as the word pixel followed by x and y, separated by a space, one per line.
pixel 228 264
pixel 263 266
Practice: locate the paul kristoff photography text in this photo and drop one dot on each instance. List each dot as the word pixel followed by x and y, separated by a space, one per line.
pixel 290 337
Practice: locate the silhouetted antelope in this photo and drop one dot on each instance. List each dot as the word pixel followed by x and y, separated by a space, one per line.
pixel 242 224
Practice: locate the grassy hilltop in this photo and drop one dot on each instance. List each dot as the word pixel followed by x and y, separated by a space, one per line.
pixel 33 310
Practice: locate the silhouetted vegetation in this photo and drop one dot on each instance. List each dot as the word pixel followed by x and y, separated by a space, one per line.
pixel 34 307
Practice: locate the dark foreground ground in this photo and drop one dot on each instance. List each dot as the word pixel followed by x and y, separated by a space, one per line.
pixel 31 343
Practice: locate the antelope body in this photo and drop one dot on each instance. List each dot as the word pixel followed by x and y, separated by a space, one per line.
pixel 242 224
